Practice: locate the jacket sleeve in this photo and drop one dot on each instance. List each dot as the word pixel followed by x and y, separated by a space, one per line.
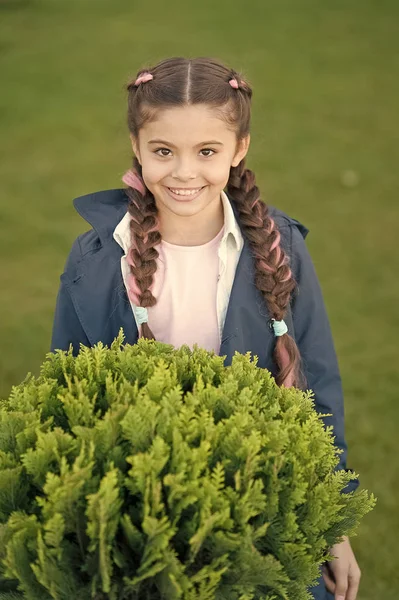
pixel 67 328
pixel 314 339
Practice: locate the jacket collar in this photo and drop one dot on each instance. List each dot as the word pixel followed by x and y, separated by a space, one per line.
pixel 122 231
pixel 104 210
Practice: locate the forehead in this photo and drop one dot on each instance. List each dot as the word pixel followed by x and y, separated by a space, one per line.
pixel 188 125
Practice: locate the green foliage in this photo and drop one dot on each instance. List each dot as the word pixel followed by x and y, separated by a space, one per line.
pixel 145 472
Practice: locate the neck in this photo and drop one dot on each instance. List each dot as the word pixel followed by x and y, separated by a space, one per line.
pixel 193 230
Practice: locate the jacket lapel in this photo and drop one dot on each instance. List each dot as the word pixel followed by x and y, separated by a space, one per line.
pixel 101 300
pixel 246 326
pixel 98 291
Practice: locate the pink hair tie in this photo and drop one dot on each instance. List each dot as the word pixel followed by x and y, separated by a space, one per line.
pixel 134 181
pixel 234 83
pixel 143 78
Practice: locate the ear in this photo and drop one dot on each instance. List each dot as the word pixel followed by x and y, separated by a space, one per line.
pixel 135 147
pixel 242 149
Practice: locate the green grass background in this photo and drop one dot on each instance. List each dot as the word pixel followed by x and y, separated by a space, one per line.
pixel 326 94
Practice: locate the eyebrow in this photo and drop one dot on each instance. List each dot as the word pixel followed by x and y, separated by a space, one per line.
pixel 213 142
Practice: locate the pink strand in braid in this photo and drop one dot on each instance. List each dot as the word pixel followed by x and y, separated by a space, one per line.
pixel 283 358
pixel 145 235
pixel 273 277
pixel 134 181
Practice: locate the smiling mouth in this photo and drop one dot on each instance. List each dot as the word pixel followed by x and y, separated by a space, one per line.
pixel 185 191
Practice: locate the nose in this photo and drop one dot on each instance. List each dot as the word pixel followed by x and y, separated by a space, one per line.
pixel 184 170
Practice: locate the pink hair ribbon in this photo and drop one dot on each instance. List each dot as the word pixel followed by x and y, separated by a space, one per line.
pixel 143 78
pixel 234 83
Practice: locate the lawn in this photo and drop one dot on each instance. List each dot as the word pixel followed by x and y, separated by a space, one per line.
pixel 324 148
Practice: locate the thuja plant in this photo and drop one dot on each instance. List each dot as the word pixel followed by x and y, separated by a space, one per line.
pixel 145 472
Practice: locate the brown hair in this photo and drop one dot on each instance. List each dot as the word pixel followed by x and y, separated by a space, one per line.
pixel 182 82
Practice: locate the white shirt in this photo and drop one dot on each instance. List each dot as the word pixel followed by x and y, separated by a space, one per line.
pixel 229 252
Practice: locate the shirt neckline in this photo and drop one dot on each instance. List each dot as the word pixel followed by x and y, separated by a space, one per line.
pixel 178 248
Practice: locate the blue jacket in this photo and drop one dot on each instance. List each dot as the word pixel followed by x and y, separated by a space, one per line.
pixel 92 305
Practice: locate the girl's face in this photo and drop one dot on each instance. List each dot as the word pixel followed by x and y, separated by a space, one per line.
pixel 186 155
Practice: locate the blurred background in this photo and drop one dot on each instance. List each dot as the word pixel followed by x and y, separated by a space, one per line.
pixel 324 149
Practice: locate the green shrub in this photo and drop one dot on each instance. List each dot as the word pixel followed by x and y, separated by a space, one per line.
pixel 145 472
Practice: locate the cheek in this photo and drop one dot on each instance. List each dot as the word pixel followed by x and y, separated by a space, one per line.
pixel 218 171
pixel 154 171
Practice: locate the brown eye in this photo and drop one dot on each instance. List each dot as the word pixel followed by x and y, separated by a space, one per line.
pixel 162 150
pixel 208 150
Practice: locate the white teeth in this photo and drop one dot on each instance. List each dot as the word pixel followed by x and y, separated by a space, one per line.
pixel 185 192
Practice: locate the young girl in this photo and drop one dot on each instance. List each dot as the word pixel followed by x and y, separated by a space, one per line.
pixel 189 253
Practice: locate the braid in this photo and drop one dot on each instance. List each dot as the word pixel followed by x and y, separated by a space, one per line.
pixel 273 277
pixel 142 255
